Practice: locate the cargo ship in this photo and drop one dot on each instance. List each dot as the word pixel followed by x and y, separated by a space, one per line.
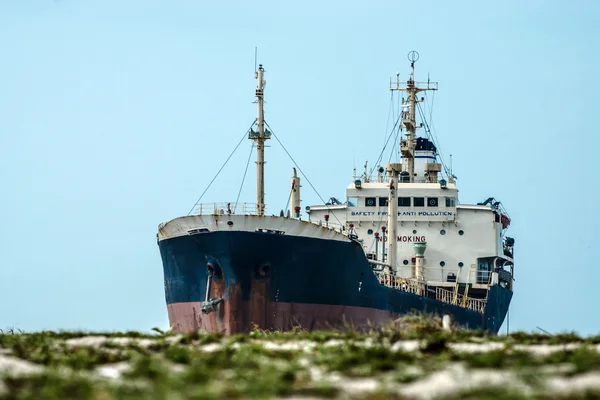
pixel 400 242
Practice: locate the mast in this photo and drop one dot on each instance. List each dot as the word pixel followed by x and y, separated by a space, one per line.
pixel 409 118
pixel 295 195
pixel 260 143
pixel 393 171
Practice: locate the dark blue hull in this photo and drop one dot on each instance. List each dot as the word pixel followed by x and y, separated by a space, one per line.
pixel 275 281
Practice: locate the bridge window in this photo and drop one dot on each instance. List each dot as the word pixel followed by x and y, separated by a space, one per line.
pixel 352 201
pixel 419 201
pixel 404 201
pixel 450 202
pixel 370 201
pixel 432 202
pixel 383 202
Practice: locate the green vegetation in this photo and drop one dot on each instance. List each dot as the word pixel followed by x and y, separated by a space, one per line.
pixel 409 358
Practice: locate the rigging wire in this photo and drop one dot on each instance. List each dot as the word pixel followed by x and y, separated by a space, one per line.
pixel 392 113
pixel 421 113
pixel 243 178
pixel 392 152
pixel 386 143
pixel 430 107
pixel 303 174
pixel 433 133
pixel 223 166
pixel 288 202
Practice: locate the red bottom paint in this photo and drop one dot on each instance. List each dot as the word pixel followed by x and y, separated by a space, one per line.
pixel 188 317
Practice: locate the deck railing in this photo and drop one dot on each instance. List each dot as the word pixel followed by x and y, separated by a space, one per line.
pixel 452 297
pixel 227 209
pixel 446 274
pixel 420 288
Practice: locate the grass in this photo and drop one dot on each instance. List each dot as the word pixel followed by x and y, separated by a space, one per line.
pixel 324 364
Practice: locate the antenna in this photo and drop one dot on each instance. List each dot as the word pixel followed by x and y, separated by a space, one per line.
pixel 451 177
pixel 255 56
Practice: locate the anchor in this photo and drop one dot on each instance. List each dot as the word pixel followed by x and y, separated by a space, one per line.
pixel 209 305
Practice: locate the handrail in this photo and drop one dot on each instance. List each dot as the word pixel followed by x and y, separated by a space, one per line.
pixel 224 208
pixel 415 286
pixel 446 274
pixel 452 297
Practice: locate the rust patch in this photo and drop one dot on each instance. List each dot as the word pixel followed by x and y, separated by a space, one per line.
pixel 259 301
pixel 234 307
pixel 197 320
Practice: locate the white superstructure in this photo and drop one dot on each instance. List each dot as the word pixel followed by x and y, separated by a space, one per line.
pixel 434 240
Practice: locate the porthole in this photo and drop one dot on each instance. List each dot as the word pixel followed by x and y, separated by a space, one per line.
pixel 443 232
pixel 460 264
pixel 414 231
pixel 405 262
pixel 370 231
pixel 230 223
pixel 461 232
pixel 442 263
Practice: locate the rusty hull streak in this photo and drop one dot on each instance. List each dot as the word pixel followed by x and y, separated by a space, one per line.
pixel 232 315
pixel 259 302
pixel 226 317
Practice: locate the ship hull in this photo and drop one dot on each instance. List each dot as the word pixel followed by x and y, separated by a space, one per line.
pixel 280 282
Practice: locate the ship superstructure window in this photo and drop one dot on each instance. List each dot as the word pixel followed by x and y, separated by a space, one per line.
pixel 432 202
pixel 450 202
pixel 383 202
pixel 419 201
pixel 352 201
pixel 404 201
pixel 370 201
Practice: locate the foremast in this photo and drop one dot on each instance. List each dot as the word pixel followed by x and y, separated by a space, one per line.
pixel 260 138
pixel 409 118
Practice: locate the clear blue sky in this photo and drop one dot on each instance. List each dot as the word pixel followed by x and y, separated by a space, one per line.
pixel 115 115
